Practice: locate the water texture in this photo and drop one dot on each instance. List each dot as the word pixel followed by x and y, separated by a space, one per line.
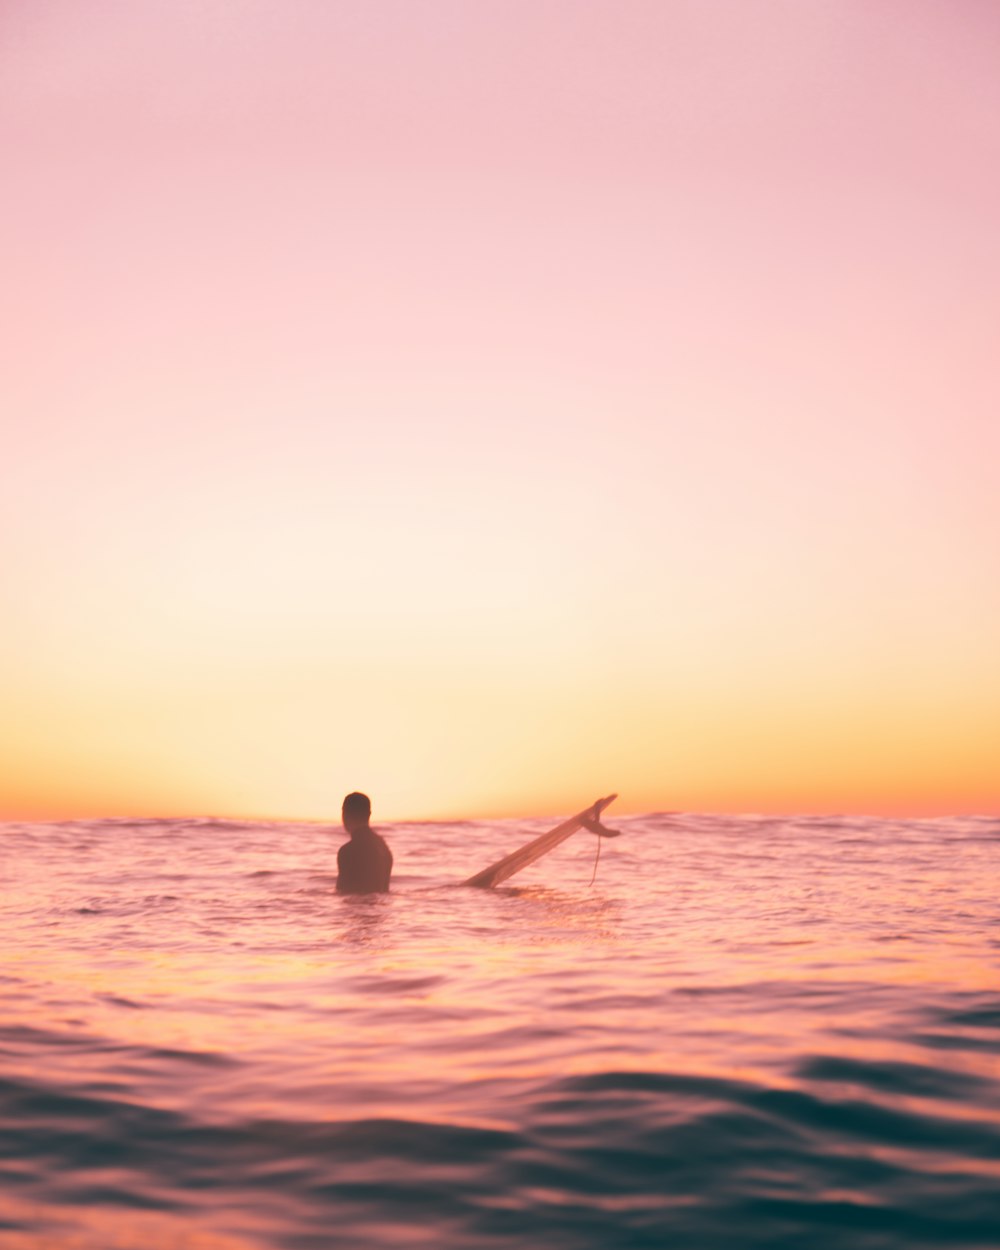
pixel 749 1032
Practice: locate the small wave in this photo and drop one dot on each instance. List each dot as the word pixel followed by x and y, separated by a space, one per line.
pixel 918 1080
pixel 117 1000
pixel 634 1159
pixel 985 1016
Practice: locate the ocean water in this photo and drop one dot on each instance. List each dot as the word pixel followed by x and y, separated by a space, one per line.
pixel 747 1032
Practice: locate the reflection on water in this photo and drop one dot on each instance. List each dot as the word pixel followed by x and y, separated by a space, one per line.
pixel 361 919
pixel 763 1033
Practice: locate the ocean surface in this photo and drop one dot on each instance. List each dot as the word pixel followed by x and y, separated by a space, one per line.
pixel 747 1032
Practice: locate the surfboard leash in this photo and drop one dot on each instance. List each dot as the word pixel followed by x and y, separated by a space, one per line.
pixel 597 860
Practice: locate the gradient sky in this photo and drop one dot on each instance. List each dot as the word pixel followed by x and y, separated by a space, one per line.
pixel 493 405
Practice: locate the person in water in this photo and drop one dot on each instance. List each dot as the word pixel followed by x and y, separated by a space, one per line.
pixel 365 863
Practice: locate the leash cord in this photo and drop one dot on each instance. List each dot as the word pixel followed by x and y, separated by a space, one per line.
pixel 597 858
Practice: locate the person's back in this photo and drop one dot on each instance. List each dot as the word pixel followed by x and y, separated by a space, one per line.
pixel 364 864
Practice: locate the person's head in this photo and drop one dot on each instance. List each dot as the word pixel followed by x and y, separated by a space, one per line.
pixel 356 812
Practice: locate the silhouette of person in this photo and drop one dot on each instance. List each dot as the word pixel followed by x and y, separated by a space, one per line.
pixel 365 863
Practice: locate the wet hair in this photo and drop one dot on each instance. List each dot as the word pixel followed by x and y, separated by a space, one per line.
pixel 358 806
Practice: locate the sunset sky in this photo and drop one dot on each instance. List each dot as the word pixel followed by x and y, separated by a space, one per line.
pixel 492 405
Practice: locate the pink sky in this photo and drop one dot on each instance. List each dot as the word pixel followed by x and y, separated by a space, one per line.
pixel 491 405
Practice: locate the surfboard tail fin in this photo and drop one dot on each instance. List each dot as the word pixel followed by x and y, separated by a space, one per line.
pixel 595 826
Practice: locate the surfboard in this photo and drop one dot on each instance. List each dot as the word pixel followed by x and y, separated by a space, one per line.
pixel 589 818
